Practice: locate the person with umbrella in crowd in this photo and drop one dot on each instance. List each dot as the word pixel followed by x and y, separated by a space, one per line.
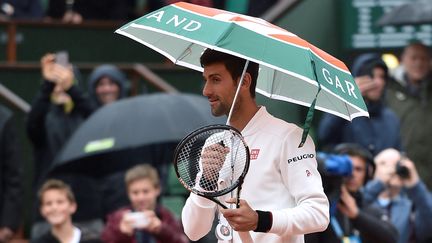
pixel 57 110
pixel 108 84
pixel 296 203
pixel 145 220
pixel 381 129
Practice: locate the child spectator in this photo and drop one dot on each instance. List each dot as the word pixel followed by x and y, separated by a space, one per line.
pixel 144 220
pixel 57 205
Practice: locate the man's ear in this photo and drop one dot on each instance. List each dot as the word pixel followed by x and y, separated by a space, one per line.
pixel 247 80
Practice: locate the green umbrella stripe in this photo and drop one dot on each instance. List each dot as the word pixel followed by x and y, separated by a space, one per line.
pixel 321 108
pixel 195 67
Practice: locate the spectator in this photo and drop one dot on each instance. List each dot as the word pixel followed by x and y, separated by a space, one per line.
pixel 402 196
pixel 107 84
pixel 77 11
pixel 352 219
pixel 21 9
pixel 10 177
pixel 143 188
pixel 410 96
pixel 57 110
pixel 57 206
pixel 376 133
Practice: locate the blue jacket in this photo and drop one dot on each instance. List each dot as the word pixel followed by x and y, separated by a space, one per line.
pixel 376 133
pixel 416 200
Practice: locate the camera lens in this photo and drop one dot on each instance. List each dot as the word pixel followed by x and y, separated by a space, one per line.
pixel 402 171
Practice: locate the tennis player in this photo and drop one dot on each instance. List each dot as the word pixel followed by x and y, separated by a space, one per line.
pixel 282 195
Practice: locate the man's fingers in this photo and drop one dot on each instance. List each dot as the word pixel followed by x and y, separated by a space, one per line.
pixel 231 200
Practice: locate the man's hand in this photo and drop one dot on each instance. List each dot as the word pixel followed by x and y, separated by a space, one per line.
pixel 155 225
pixel 365 83
pixel 56 73
pixel 212 159
pixel 126 224
pixel 347 204
pixel 47 65
pixel 243 218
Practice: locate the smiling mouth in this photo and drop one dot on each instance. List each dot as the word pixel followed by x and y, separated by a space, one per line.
pixel 213 102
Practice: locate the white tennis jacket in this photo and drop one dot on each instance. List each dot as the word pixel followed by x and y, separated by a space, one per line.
pixel 282 178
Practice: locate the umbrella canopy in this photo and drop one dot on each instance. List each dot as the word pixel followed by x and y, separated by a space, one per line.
pixel 414 12
pixel 291 69
pixel 134 130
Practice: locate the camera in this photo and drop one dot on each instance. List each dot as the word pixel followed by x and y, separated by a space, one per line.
pixel 402 171
pixel 333 169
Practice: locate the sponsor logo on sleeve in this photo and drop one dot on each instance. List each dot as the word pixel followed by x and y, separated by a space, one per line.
pixel 254 154
pixel 300 157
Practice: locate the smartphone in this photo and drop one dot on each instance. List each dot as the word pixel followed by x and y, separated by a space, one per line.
pixel 62 58
pixel 139 219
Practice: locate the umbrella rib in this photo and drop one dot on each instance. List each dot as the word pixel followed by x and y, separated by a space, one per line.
pixel 185 52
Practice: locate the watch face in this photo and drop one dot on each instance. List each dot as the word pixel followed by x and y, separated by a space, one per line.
pixel 223 232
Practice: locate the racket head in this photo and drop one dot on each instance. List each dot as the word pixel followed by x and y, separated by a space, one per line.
pixel 188 156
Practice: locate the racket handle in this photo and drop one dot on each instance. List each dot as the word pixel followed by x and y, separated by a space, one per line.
pixel 245 237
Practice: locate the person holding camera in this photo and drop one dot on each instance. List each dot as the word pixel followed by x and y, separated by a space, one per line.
pixel 144 220
pixel 57 110
pixel 398 190
pixel 350 219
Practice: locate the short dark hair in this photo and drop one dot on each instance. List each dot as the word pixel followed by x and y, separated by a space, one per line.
pixel 233 64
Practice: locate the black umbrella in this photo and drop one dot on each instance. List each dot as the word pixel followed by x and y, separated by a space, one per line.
pixel 142 129
pixel 414 12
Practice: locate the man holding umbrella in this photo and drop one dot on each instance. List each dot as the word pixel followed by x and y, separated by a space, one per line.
pixel 283 196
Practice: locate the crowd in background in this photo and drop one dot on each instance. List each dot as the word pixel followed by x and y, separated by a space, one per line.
pixel 76 11
pixel 386 199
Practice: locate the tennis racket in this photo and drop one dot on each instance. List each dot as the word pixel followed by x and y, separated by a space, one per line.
pixel 212 161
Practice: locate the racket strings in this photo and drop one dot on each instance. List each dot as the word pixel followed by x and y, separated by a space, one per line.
pixel 212 161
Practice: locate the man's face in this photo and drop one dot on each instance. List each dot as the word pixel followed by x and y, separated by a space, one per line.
pixel 355 182
pixel 107 90
pixel 416 62
pixel 378 78
pixel 143 194
pixel 56 207
pixel 219 88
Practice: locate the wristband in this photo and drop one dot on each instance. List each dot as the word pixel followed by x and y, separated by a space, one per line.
pixel 265 221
